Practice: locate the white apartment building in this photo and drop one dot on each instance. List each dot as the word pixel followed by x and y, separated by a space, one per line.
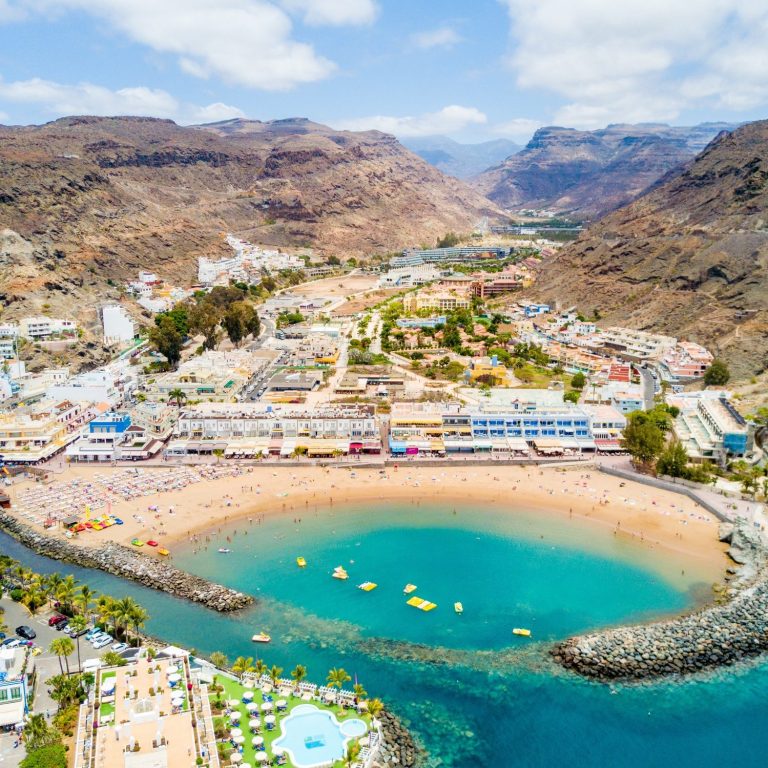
pixel 37 328
pixel 407 277
pixel 639 345
pixel 119 328
pixel 97 386
pixel 247 265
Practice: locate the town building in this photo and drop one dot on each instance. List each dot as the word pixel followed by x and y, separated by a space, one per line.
pixel 608 426
pixel 157 419
pixel 118 326
pixel 409 276
pixel 487 370
pixel 710 427
pixel 486 286
pixel 685 362
pixel 458 255
pixel 633 345
pixel 421 322
pixel 36 433
pixel 97 386
pixel 248 265
pixel 112 437
pixel 16 669
pixel 42 328
pixel 444 301
pixel 253 429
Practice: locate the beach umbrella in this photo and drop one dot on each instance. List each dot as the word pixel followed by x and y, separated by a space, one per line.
pixel 266 688
pixel 171 669
pixel 175 678
pixel 238 740
pixel 261 757
pixel 257 741
pixel 234 716
pixel 280 703
pixel 233 703
pixel 248 696
pixel 177 701
pixel 269 719
pixel 254 724
pixel 235 757
pixel 236 732
pixel 266 706
pixel 252 706
pixel 245 765
pixel 248 684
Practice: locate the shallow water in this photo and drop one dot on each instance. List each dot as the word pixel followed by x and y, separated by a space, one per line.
pixel 474 693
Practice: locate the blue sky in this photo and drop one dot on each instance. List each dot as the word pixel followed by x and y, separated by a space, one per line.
pixel 474 71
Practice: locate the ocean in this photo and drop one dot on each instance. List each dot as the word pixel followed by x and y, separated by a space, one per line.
pixel 472 692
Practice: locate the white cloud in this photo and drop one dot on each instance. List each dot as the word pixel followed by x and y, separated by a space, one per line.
pixel 333 12
pixel 247 42
pixel 520 129
pixel 446 121
pixel 57 100
pixel 442 37
pixel 639 60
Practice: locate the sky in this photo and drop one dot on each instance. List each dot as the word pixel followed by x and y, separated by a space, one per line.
pixel 470 70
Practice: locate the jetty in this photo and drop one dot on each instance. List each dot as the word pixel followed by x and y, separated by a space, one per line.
pixel 127 563
pixel 733 629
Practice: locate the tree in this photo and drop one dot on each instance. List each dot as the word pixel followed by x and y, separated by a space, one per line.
pixel 578 381
pixel 78 624
pixel 259 668
pixel 571 397
pixel 38 734
pixel 337 677
pixel 137 618
pixel 359 691
pixel 49 756
pixel 66 690
pixel 242 665
pixel 204 319
pixel 643 438
pixel 84 599
pixel 218 659
pixel 274 675
pixel 717 374
pixel 352 753
pixel 673 460
pixel 448 240
pixel 62 647
pixel 113 659
pixel 179 316
pixel 298 673
pixel 177 396
pixel 66 593
pixel 375 707
pixel 233 323
pixel 167 340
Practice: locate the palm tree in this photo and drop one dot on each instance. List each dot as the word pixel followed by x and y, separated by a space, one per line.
pixel 260 668
pixel 353 752
pixel 35 731
pixel 52 583
pixel 274 675
pixel 62 646
pixel 298 674
pixel 34 597
pixel 375 706
pixel 177 395
pixel 78 624
pixel 122 614
pixel 84 599
pixel 138 617
pixel 360 692
pixel 337 677
pixel 242 665
pixel 66 592
pixel 105 609
pixel 218 659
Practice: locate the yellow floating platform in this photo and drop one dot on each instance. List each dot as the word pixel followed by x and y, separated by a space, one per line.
pixel 367 586
pixel 340 573
pixel 521 632
pixel 301 562
pixel 163 551
pixel 421 604
pixel 409 588
pixel 458 607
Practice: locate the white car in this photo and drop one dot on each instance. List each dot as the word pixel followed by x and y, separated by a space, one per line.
pixel 102 642
pixel 118 647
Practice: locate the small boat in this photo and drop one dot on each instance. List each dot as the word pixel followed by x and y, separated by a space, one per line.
pixel 301 562
pixel 137 542
pixel 421 604
pixel 458 607
pixel 521 632
pixel 409 588
pixel 340 573
pixel 163 551
pixel 261 637
pixel 224 550
pixel 367 586
pixel 152 543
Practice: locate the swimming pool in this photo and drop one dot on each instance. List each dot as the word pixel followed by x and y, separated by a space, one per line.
pixel 314 737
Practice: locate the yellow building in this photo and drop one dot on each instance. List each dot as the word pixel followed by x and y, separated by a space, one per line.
pixel 29 436
pixel 445 301
pixel 488 370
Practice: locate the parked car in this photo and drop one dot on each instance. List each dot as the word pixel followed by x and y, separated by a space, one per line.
pixel 98 636
pixel 75 634
pixel 3 635
pixel 11 642
pixel 92 632
pixel 103 642
pixel 26 632
pixel 62 625
pixel 119 647
pixel 55 619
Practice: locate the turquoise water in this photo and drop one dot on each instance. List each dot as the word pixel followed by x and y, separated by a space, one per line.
pixel 471 691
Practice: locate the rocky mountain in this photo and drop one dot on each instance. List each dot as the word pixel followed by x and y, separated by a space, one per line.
pixel 461 160
pixel 85 202
pixel 586 173
pixel 689 257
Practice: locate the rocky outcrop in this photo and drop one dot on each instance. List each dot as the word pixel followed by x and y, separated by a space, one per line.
pixel 719 635
pixel 398 746
pixel 688 258
pixel 129 564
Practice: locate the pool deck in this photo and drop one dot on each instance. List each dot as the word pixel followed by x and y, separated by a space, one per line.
pixel 234 690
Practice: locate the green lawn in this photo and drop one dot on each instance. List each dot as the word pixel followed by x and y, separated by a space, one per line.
pixel 234 690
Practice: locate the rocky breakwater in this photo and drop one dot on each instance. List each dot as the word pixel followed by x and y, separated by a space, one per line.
pixel 129 564
pixel 397 747
pixel 734 629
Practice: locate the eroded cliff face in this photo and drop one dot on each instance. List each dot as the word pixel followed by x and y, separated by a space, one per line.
pixel 85 202
pixel 689 257
pixel 588 173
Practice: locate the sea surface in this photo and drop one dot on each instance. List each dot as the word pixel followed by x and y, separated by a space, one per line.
pixel 473 693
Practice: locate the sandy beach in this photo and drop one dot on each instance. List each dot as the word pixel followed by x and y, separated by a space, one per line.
pixel 650 518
